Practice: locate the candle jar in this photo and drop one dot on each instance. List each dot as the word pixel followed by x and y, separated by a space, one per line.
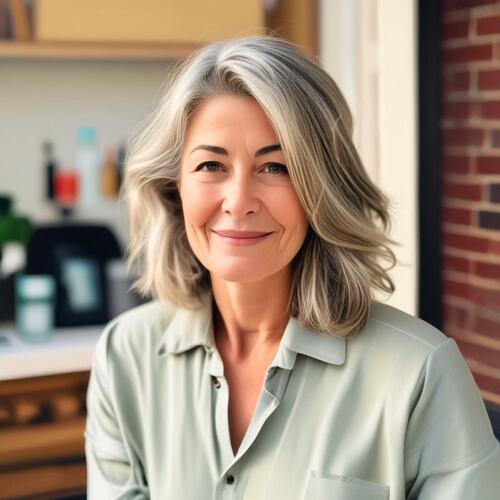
pixel 35 304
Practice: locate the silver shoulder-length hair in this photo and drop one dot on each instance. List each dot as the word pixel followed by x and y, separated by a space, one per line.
pixel 337 268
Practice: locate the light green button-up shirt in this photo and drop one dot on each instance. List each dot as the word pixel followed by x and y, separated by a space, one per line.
pixel 391 414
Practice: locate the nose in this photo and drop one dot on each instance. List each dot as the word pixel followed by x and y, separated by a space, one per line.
pixel 240 195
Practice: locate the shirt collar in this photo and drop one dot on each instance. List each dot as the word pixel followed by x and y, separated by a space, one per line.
pixel 193 327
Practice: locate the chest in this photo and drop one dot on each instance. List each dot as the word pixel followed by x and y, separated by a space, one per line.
pixel 245 386
pixel 312 420
pixel 245 380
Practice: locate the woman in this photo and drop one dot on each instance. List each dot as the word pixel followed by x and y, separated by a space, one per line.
pixel 264 368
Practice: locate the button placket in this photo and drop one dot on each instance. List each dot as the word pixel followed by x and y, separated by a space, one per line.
pixel 221 400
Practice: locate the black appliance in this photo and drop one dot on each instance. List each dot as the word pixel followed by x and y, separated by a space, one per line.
pixel 76 255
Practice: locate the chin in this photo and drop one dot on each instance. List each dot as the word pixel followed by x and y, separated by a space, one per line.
pixel 238 273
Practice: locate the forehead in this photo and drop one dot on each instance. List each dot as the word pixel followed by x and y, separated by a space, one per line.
pixel 228 114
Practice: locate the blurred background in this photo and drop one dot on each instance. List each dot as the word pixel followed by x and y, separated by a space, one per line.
pixel 77 77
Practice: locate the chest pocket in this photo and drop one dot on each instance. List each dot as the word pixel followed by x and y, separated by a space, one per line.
pixel 324 486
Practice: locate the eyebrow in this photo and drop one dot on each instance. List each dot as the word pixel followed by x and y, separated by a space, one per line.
pixel 222 151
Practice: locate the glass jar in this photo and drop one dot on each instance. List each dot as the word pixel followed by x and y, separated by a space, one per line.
pixel 35 306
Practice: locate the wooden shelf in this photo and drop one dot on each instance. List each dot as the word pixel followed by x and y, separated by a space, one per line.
pixel 45 482
pixel 36 444
pixel 96 51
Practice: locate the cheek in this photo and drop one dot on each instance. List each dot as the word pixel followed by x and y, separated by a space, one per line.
pixel 289 213
pixel 198 203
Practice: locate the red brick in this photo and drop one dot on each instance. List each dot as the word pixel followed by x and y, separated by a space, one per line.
pixel 456 164
pixel 488 356
pixel 486 297
pixel 489 79
pixel 455 288
pixel 460 110
pixel 490 110
pixel 488 25
pixel 472 192
pixel 463 137
pixel 494 247
pixel 487 383
pixel 455 316
pixel 455 29
pixel 486 326
pixel 454 263
pixel 495 138
pixel 457 215
pixel 464 4
pixel 469 53
pixel 488 164
pixel 487 270
pixel 465 242
pixel 454 81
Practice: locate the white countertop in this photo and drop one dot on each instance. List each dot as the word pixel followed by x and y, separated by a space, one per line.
pixel 68 350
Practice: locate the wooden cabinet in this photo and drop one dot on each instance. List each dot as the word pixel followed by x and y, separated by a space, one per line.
pixel 42 421
pixel 295 20
pixel 168 21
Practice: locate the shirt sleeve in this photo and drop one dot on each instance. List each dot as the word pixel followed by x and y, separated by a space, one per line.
pixel 450 449
pixel 111 471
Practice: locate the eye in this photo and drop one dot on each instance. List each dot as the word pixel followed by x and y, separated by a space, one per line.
pixel 276 168
pixel 212 166
pixel 209 165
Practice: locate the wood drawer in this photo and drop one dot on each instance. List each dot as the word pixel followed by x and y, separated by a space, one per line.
pixel 42 447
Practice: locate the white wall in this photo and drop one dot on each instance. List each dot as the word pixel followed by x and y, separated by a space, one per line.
pixel 370 49
pixel 397 36
pixel 50 100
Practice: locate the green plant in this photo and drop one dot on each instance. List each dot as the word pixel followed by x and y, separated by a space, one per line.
pixel 13 228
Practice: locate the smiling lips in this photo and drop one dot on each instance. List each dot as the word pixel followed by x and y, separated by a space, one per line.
pixel 240 234
pixel 241 238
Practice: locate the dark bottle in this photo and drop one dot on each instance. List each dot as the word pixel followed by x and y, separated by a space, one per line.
pixel 50 168
pixel 122 153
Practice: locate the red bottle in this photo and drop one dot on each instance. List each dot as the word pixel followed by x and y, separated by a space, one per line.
pixel 67 188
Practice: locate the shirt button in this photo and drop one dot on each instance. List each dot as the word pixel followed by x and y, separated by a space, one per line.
pixel 229 479
pixel 215 381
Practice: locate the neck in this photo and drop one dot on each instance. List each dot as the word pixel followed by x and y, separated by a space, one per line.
pixel 251 317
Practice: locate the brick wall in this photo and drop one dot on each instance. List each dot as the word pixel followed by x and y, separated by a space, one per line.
pixel 470 125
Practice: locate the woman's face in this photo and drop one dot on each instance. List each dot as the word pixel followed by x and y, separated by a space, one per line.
pixel 234 178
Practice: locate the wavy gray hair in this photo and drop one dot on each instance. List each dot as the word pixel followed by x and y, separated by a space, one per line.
pixel 337 268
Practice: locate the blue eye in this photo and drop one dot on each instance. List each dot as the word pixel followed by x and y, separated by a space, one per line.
pixel 281 169
pixel 207 164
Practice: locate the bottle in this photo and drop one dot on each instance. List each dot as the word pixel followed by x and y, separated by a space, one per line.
pixel 88 165
pixel 67 187
pixel 50 168
pixel 122 152
pixel 109 176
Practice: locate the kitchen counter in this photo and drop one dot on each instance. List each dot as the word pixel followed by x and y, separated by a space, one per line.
pixel 68 350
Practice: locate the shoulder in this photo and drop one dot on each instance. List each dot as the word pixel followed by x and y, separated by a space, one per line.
pixel 135 331
pixel 397 323
pixel 419 354
pixel 398 342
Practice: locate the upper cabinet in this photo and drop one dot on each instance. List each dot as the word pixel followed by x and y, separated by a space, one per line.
pixel 150 29
pixel 164 21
